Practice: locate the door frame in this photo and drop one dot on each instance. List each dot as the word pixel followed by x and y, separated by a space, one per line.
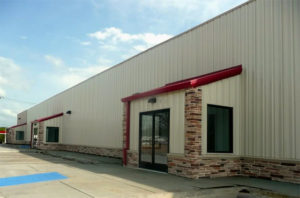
pixel 153 165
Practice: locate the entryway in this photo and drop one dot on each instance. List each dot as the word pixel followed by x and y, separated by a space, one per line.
pixel 35 136
pixel 154 139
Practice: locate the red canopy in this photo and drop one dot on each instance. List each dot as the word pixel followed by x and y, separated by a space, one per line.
pixel 2 132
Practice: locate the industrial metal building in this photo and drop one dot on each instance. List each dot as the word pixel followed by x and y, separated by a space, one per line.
pixel 221 99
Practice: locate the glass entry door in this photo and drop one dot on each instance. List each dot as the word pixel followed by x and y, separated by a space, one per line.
pixel 154 139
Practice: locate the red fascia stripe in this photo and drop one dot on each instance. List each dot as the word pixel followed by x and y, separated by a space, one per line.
pixel 18 125
pixel 49 117
pixel 164 89
pixel 2 132
pixel 216 76
pixel 188 83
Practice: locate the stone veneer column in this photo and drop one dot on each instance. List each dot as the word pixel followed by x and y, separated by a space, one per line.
pixel 187 165
pixel 40 139
pixel 124 124
pixel 132 156
pixel 192 148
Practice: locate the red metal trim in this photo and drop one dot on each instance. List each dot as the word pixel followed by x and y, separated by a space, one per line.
pixel 17 125
pixel 2 132
pixel 216 76
pixel 127 133
pixel 49 117
pixel 190 82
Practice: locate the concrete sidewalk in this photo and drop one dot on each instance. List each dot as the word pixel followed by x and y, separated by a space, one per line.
pixel 80 157
pixel 95 176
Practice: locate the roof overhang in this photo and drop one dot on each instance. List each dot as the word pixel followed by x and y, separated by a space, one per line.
pixel 2 132
pixel 48 117
pixel 18 125
pixel 189 83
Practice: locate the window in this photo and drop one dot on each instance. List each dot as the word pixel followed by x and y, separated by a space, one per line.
pixel 52 134
pixel 19 135
pixel 219 129
pixel 35 131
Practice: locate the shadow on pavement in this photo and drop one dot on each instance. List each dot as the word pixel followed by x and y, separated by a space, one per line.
pixel 164 181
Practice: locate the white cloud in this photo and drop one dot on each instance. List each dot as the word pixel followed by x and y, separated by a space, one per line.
pixel 12 78
pixel 11 75
pixel 67 76
pixel 112 36
pixel 57 62
pixel 140 48
pixel 9 112
pixel 85 43
pixel 73 76
pixel 2 92
pixel 191 8
pixel 110 47
pixel 23 37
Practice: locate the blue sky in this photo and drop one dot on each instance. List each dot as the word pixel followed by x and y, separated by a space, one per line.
pixel 47 46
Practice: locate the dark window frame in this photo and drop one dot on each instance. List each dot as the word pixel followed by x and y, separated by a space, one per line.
pixel 17 136
pixel 151 165
pixel 230 129
pixel 47 131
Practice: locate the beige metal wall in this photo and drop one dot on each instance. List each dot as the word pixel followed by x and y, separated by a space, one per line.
pixel 22 117
pixel 175 102
pixel 262 35
pixel 26 134
pixel 228 93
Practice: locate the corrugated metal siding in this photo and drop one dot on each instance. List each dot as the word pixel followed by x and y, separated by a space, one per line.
pixel 175 102
pixel 224 93
pixel 262 35
pixel 22 117
pixel 23 128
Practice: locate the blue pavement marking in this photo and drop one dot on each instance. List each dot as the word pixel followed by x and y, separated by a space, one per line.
pixel 25 147
pixel 27 179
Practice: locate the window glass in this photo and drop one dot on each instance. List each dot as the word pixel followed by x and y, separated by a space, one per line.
pixel 35 131
pixel 52 134
pixel 219 129
pixel 19 135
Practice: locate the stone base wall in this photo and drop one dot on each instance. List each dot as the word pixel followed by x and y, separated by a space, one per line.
pixel 279 170
pixel 203 166
pixel 109 152
pixel 133 158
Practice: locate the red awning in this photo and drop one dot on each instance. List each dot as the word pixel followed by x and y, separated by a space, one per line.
pixel 49 117
pixel 18 125
pixel 189 83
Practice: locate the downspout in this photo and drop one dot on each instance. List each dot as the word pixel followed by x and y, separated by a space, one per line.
pixel 127 133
